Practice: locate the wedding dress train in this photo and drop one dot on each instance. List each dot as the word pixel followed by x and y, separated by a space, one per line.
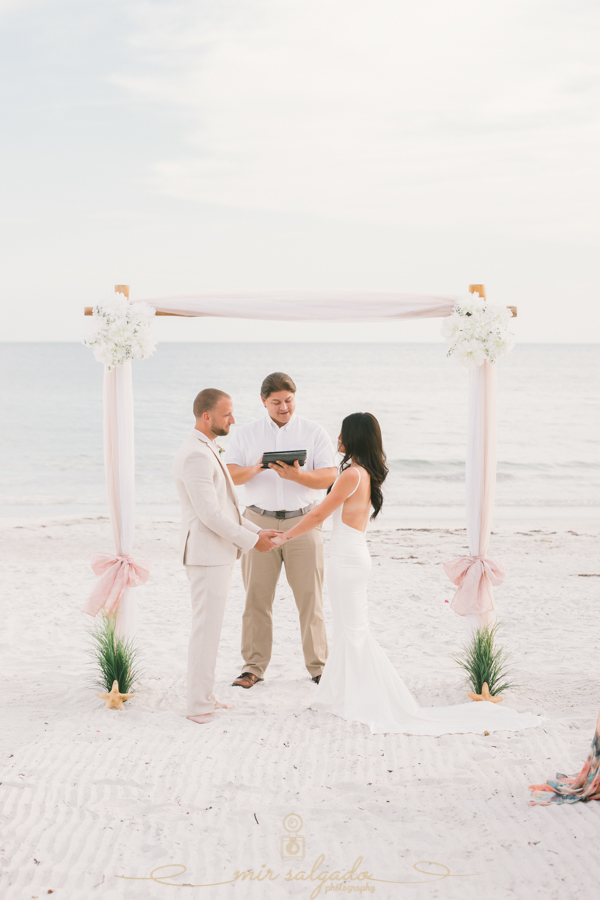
pixel 360 684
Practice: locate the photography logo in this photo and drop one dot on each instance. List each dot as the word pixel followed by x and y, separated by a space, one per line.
pixel 292 843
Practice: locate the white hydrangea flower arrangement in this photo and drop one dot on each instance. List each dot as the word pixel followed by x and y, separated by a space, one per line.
pixel 120 330
pixel 478 331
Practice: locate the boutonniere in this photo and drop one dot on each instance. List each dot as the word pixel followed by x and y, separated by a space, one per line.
pixel 220 449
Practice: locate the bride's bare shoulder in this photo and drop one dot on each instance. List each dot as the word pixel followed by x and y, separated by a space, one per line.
pixel 348 477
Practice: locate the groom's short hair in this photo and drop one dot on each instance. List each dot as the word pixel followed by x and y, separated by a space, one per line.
pixel 277 381
pixel 207 400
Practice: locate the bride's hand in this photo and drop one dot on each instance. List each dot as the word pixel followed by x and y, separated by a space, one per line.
pixel 278 541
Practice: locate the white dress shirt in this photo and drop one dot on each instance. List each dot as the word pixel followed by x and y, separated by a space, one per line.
pixel 267 490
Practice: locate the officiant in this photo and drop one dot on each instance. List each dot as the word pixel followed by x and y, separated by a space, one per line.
pixel 277 497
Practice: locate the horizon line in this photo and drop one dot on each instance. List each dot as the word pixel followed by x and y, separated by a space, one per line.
pixel 245 341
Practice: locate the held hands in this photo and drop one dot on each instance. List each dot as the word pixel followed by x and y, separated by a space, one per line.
pixel 266 540
pixel 286 471
pixel 279 540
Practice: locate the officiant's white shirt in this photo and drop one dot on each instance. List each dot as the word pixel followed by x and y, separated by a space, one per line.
pixel 267 490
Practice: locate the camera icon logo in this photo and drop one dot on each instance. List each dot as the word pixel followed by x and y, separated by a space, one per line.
pixel 292 843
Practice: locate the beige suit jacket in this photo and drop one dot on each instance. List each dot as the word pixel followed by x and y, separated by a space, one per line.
pixel 213 532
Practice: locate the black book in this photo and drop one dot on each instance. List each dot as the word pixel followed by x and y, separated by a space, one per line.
pixel 286 456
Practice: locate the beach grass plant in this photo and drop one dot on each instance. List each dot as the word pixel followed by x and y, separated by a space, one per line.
pixel 114 658
pixel 484 662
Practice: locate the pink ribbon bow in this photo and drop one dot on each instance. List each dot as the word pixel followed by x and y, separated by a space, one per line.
pixel 116 573
pixel 474 576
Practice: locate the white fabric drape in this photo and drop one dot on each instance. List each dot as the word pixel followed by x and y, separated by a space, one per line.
pixel 480 471
pixel 474 575
pixel 119 464
pixel 302 306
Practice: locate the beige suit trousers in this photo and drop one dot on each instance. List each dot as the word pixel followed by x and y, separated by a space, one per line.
pixel 303 561
pixel 209 589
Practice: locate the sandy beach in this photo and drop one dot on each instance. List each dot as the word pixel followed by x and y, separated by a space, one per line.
pixel 95 800
pixel 378 208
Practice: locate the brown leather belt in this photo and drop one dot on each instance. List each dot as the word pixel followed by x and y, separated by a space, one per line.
pixel 282 513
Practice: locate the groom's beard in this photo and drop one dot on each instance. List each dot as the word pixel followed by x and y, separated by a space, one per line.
pixel 220 432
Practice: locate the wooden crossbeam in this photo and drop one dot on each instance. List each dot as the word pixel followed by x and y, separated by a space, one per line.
pixel 89 311
pixel 480 289
pixel 124 289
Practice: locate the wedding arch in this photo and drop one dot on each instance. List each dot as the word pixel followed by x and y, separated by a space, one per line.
pixel 122 334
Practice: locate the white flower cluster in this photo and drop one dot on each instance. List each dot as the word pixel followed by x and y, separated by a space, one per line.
pixel 478 331
pixel 120 330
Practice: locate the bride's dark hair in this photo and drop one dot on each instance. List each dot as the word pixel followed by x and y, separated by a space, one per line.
pixel 360 437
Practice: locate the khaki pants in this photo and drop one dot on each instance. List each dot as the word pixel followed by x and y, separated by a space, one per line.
pixel 303 561
pixel 209 589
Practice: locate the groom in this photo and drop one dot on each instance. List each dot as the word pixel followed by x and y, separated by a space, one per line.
pixel 213 536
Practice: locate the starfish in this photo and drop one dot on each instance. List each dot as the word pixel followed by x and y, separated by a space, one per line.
pixel 114 700
pixel 485 695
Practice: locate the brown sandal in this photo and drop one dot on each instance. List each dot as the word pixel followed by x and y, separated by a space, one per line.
pixel 246 680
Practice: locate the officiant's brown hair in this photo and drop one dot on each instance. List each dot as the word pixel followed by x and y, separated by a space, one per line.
pixel 207 400
pixel 277 381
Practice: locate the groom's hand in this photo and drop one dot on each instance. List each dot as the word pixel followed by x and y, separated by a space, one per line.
pixel 264 541
pixel 286 471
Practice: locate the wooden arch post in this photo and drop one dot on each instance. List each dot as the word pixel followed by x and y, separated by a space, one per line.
pixel 480 473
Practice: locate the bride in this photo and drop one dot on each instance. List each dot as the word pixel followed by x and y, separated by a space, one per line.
pixel 359 683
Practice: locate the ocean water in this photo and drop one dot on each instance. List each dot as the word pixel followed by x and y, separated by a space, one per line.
pixel 549 418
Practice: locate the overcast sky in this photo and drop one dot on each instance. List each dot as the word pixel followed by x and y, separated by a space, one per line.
pixel 186 145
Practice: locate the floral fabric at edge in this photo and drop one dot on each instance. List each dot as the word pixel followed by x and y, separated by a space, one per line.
pixel 584 787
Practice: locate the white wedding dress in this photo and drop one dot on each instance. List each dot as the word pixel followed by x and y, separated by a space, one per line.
pixel 360 684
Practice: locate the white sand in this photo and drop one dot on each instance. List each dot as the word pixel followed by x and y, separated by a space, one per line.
pixel 90 794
